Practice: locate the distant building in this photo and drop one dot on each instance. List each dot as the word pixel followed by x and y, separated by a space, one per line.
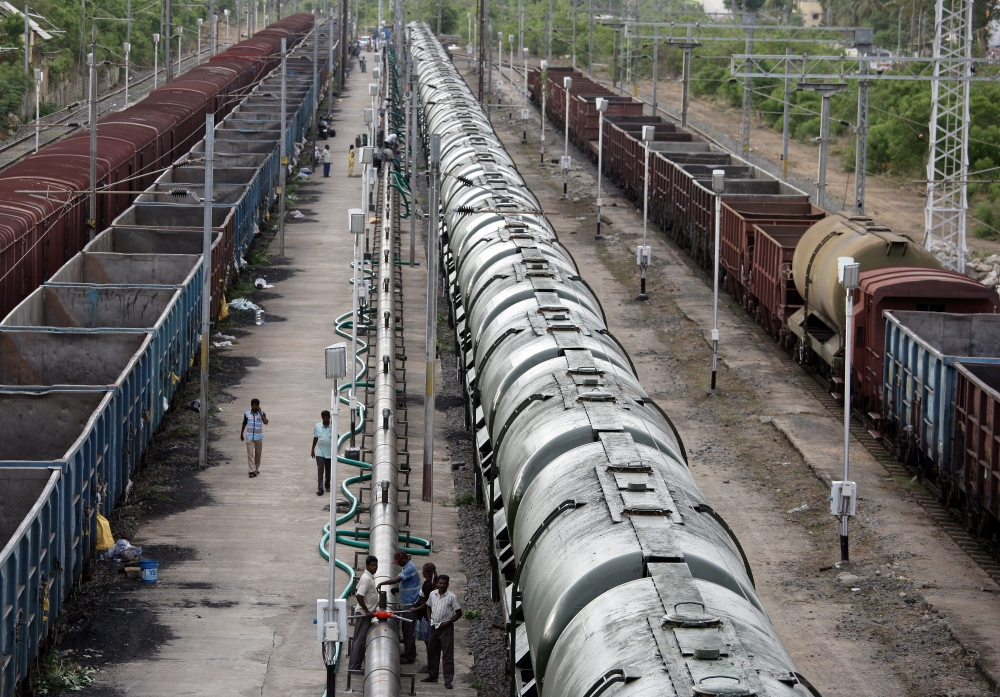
pixel 812 13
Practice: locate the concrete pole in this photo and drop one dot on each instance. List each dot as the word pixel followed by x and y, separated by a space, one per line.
pixel 543 78
pixel 826 91
pixel 128 51
pixel 283 159
pixel 849 272
pixel 861 149
pixel 656 63
pixel 786 116
pixel 27 60
pixel 315 73
pixel 206 287
pixel 156 59
pixel 167 19
pixel 590 50
pixel 38 89
pixel 343 43
pixel 128 44
pixel 92 208
pixel 550 32
pixel 431 346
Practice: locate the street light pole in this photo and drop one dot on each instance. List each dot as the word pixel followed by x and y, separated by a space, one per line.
pixel 38 88
pixel 718 186
pixel 524 99
pixel 128 50
pixel 644 253
pixel 431 345
pixel 206 286
pixel 283 156
pixel 200 22
pixel 334 620
pixel 156 59
pixel 92 207
pixel 180 36
pixel 543 81
pixel 602 106
pixel 566 162
pixel 844 495
pixel 590 49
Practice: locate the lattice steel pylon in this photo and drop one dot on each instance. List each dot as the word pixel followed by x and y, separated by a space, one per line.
pixel 946 210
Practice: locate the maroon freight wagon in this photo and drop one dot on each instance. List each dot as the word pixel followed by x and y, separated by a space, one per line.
pixel 739 219
pixel 976 444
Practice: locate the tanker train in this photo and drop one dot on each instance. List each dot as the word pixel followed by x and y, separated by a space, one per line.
pixel 40 231
pixel 778 257
pixel 96 352
pixel 612 567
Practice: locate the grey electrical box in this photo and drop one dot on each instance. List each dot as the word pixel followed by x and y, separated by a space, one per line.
pixel 336 361
pixel 356 221
pixel 648 133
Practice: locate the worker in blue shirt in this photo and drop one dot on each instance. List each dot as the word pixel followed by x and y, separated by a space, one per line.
pixel 409 590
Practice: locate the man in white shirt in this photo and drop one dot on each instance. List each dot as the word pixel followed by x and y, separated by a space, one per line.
pixel 443 611
pixel 252 432
pixel 366 593
pixel 322 450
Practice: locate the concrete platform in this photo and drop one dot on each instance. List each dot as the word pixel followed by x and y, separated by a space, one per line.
pixel 241 610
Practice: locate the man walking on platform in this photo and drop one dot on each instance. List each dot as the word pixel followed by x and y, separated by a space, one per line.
pixel 253 433
pixel 321 449
pixel 366 594
pixel 444 613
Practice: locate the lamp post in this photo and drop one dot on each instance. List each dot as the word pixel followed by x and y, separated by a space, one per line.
pixel 566 162
pixel 602 107
pixel 200 22
pixel 39 75
pixel 206 293
pixel 645 253
pixel 128 52
pixel 156 58
pixel 718 186
pixel 333 629
pixel 844 494
pixel 542 77
pixel 524 99
pixel 356 223
pixel 180 35
pixel 226 13
pixel 434 192
pixel 499 67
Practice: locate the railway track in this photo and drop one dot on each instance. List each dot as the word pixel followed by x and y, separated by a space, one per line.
pixel 949 520
pixel 62 123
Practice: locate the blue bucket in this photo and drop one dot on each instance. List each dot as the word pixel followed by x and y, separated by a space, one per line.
pixel 148 568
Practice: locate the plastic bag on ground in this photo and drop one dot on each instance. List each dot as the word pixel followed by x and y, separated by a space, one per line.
pixel 243 304
pixel 105 539
pixel 122 551
pixel 261 283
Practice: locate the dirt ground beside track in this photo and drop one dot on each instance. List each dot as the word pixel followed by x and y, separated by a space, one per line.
pixel 874 632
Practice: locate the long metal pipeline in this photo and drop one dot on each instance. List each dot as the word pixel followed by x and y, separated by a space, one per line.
pixel 382 648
